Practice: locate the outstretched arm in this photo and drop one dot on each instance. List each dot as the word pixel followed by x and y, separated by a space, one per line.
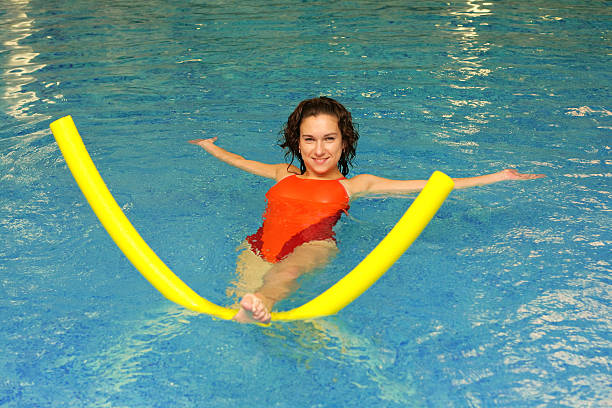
pixel 507 174
pixel 369 184
pixel 273 171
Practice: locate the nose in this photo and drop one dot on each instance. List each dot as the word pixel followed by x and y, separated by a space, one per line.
pixel 319 148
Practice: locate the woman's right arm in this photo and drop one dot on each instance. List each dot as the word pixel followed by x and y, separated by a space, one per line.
pixel 273 171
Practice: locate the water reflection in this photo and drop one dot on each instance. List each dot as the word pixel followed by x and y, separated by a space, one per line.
pixel 121 364
pixel 130 360
pixel 330 339
pixel 469 51
pixel 20 64
pixel 468 61
pixel 475 9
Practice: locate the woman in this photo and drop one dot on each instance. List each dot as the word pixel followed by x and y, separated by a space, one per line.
pixel 306 202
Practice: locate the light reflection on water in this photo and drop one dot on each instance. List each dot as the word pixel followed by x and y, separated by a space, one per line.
pixel 20 65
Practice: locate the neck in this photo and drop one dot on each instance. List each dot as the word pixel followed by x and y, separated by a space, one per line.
pixel 331 175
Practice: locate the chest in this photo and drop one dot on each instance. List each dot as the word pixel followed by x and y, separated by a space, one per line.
pixel 309 191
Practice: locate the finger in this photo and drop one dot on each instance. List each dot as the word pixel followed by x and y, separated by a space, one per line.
pixel 532 176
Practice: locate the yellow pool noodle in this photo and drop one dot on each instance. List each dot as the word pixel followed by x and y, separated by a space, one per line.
pixel 166 282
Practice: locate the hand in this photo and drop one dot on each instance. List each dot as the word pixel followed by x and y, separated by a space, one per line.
pixel 203 142
pixel 511 174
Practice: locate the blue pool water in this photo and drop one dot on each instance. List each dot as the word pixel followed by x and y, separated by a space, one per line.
pixel 504 301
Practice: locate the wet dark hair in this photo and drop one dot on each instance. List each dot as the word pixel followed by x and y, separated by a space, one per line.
pixel 290 135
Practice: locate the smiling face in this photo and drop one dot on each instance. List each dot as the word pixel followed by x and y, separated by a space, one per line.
pixel 321 146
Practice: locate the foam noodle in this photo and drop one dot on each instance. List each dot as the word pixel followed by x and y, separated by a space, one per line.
pixel 165 281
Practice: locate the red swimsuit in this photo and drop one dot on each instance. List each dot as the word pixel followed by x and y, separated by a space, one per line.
pixel 299 211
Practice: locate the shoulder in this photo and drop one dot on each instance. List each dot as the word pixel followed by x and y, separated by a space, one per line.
pixel 284 170
pixel 359 184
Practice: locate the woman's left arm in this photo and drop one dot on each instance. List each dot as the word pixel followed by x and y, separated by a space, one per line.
pixel 507 174
pixel 368 184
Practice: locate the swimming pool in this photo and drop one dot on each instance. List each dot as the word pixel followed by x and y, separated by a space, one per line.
pixel 503 301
